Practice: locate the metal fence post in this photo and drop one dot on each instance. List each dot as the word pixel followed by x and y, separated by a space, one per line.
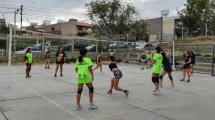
pixel 9 57
pixel 73 47
pixel 213 61
pixel 97 45
pixel 43 44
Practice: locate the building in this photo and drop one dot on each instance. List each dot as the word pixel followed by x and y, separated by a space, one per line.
pixel 69 28
pixel 154 28
pixel 46 22
pixel 171 28
pixel 2 22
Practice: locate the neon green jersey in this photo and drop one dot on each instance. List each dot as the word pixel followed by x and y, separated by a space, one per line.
pixel 84 75
pixel 148 56
pixel 111 54
pixel 157 66
pixel 29 58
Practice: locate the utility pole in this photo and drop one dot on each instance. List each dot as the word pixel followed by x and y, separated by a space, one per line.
pixel 15 12
pixel 21 10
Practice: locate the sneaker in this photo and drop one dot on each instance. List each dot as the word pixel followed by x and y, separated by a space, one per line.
pixel 61 75
pixel 182 80
pixel 126 93
pixel 27 77
pixel 155 92
pixel 46 67
pixel 92 106
pixel 55 75
pixel 109 92
pixel 158 92
pixel 188 81
pixel 78 107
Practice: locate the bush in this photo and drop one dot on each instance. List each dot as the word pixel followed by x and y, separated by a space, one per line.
pixel 118 60
pixel 206 55
pixel 198 54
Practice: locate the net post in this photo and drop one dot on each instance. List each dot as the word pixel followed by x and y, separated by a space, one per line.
pixel 9 57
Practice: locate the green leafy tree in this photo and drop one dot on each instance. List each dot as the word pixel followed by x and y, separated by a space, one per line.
pixel 197 14
pixel 4 29
pixel 111 17
pixel 139 29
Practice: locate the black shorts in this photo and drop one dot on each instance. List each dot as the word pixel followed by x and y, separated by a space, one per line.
pixel 117 74
pixel 186 66
pixel 98 61
pixel 168 69
pixel 28 66
pixel 59 62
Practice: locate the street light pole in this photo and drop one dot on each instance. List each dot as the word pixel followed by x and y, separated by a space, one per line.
pixel 15 12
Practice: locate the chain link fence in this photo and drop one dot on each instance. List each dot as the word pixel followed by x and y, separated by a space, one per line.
pixel 40 42
pixel 204 57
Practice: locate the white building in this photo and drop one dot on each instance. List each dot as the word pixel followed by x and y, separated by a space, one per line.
pixel 60 21
pixel 46 22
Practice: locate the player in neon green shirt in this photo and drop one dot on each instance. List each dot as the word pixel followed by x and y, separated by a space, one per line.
pixel 156 70
pixel 29 61
pixel 85 75
pixel 148 59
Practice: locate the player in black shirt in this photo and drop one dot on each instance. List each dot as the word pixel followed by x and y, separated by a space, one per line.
pixel 117 75
pixel 47 57
pixel 99 61
pixel 166 69
pixel 186 66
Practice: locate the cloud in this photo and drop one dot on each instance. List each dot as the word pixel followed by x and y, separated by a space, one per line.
pixel 76 9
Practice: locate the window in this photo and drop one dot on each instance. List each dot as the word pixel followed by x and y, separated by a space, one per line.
pixel 80 28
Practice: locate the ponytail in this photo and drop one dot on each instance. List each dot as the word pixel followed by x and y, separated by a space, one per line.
pixel 80 58
pixel 83 52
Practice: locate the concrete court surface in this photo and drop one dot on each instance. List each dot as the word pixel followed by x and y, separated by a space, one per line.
pixel 44 97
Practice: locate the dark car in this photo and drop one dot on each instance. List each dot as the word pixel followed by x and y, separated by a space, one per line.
pixel 77 46
pixel 149 47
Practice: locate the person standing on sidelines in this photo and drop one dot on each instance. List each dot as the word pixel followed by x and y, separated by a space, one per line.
pixel 29 61
pixel 47 57
pixel 156 70
pixel 166 69
pixel 83 67
pixel 60 58
pixel 148 59
pixel 117 75
pixel 99 61
pixel 186 66
pixel 111 53
pixel 193 61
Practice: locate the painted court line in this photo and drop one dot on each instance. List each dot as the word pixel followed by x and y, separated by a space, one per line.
pixel 49 100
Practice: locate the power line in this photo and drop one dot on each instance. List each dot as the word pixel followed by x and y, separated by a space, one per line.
pixel 31 8
pixel 8 7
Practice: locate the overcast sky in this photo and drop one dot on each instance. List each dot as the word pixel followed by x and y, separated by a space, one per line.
pixel 39 10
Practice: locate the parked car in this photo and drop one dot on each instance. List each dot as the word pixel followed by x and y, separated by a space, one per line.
pixel 140 45
pixel 92 48
pixel 146 46
pixel 118 44
pixel 34 50
pixel 77 46
pixel 149 47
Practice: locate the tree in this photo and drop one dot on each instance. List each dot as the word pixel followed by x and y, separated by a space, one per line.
pixel 197 14
pixel 4 29
pixel 110 17
pixel 139 29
